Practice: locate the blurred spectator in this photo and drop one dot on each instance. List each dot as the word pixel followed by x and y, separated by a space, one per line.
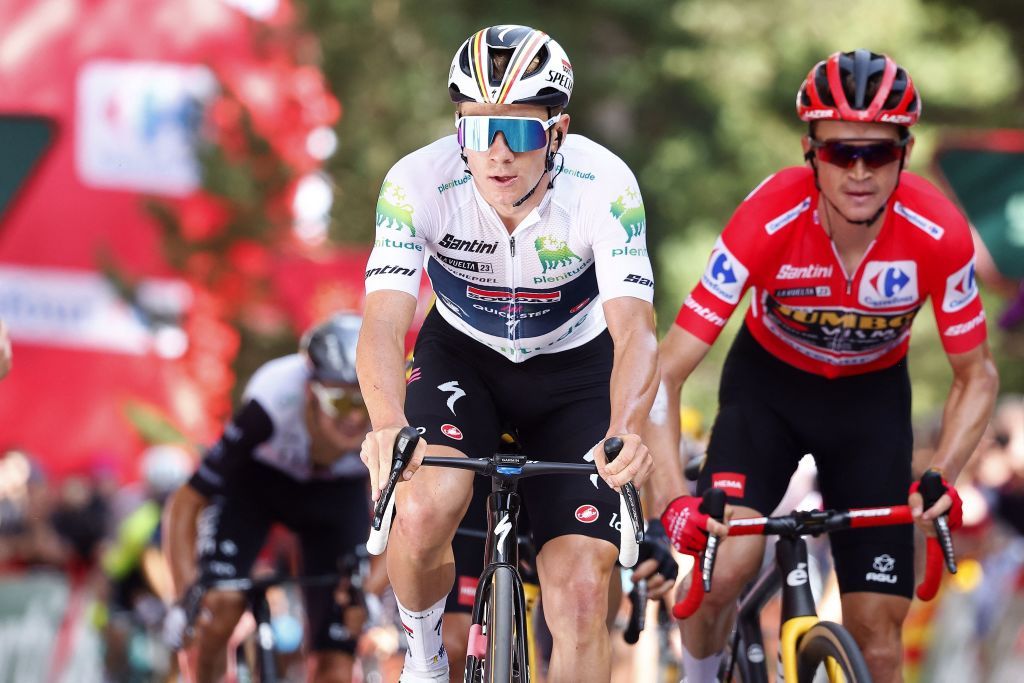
pixel 27 536
pixel 5 350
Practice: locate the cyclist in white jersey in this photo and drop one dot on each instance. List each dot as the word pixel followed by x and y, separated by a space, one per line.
pixel 289 457
pixel 534 242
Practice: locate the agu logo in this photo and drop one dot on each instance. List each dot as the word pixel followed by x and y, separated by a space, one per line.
pixel 883 564
pixel 587 514
pixel 961 288
pixel 725 275
pixel 888 283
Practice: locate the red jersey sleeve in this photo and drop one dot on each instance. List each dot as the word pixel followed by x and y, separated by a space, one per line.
pixel 951 280
pixel 727 274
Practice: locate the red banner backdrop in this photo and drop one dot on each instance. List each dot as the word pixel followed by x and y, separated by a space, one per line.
pixel 115 92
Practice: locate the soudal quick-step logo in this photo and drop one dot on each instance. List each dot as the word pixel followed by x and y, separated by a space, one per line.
pixel 725 275
pixel 506 296
pixel 888 283
pixel 961 288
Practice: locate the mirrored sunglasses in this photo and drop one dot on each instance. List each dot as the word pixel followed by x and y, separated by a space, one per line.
pixel 845 153
pixel 521 134
pixel 337 401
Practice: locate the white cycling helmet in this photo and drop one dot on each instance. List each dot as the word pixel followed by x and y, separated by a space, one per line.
pixel 511 64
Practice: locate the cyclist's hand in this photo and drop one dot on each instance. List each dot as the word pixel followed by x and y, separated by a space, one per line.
pixel 688 528
pixel 634 462
pixel 949 503
pixel 175 627
pixel 376 455
pixel 656 563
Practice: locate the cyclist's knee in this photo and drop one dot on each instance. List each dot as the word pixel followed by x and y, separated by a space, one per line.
pixel 225 609
pixel 429 514
pixel 579 604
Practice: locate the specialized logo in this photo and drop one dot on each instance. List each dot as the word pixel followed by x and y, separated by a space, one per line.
pixel 961 289
pixel 587 514
pixel 798 576
pixel 452 306
pixel 450 241
pixel 462 264
pixel 725 275
pixel 778 223
pixel 390 270
pixel 393 210
pixel 813 271
pixel 733 483
pixel 502 528
pixel 451 431
pixel 639 279
pixel 456 393
pixel 934 231
pixel 628 209
pixel 888 283
pixel 883 564
pixel 413 376
pixel 580 305
pixel 553 253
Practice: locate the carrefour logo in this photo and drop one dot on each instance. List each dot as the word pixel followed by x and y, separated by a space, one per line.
pixel 889 283
pixel 961 289
pixel 725 275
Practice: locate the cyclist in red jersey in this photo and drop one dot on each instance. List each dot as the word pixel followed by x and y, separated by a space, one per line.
pixel 840 255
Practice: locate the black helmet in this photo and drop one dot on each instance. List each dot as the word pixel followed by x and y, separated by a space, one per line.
pixel 330 348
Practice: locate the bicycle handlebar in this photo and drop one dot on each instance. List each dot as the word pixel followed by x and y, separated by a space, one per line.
pixel 817 522
pixel 407 440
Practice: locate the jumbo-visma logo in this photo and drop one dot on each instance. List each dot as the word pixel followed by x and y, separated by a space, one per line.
pixel 725 275
pixel 961 288
pixel 393 209
pixel 628 209
pixel 888 283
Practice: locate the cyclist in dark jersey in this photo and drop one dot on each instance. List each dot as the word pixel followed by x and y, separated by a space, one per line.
pixel 289 456
pixel 839 256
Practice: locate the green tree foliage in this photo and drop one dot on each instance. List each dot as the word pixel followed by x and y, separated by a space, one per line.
pixel 696 95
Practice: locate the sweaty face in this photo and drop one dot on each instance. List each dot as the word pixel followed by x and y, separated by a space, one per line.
pixel 860 189
pixel 501 175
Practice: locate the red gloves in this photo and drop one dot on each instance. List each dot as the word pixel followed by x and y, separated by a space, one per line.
pixel 685 525
pixel 955 512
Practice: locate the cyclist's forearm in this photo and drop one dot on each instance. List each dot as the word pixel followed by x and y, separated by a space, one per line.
pixel 967 411
pixel 661 435
pixel 380 356
pixel 634 378
pixel 181 515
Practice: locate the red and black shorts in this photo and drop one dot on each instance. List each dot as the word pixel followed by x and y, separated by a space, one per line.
pixel 858 429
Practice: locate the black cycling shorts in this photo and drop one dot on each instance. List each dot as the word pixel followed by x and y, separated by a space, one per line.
pixel 859 430
pixel 461 393
pixel 330 518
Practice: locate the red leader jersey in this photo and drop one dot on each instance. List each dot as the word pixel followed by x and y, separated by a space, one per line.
pixel 807 310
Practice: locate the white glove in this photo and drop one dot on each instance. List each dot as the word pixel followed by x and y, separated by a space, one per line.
pixel 175 624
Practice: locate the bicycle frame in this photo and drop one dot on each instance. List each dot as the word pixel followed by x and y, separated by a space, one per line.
pixel 501 549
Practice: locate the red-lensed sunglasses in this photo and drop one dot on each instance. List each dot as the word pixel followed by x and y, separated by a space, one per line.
pixel 845 153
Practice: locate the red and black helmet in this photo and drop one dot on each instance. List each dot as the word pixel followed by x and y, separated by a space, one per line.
pixel 860 86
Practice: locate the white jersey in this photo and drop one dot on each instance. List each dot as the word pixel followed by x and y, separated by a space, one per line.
pixel 279 387
pixel 536 290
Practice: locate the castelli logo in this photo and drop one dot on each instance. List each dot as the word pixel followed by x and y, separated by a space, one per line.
pixel 587 514
pixel 451 431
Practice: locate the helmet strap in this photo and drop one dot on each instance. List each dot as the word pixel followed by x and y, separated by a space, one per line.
pixel 549 163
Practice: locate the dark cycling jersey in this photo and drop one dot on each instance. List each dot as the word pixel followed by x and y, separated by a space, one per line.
pixel 537 290
pixel 807 310
pixel 271 428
